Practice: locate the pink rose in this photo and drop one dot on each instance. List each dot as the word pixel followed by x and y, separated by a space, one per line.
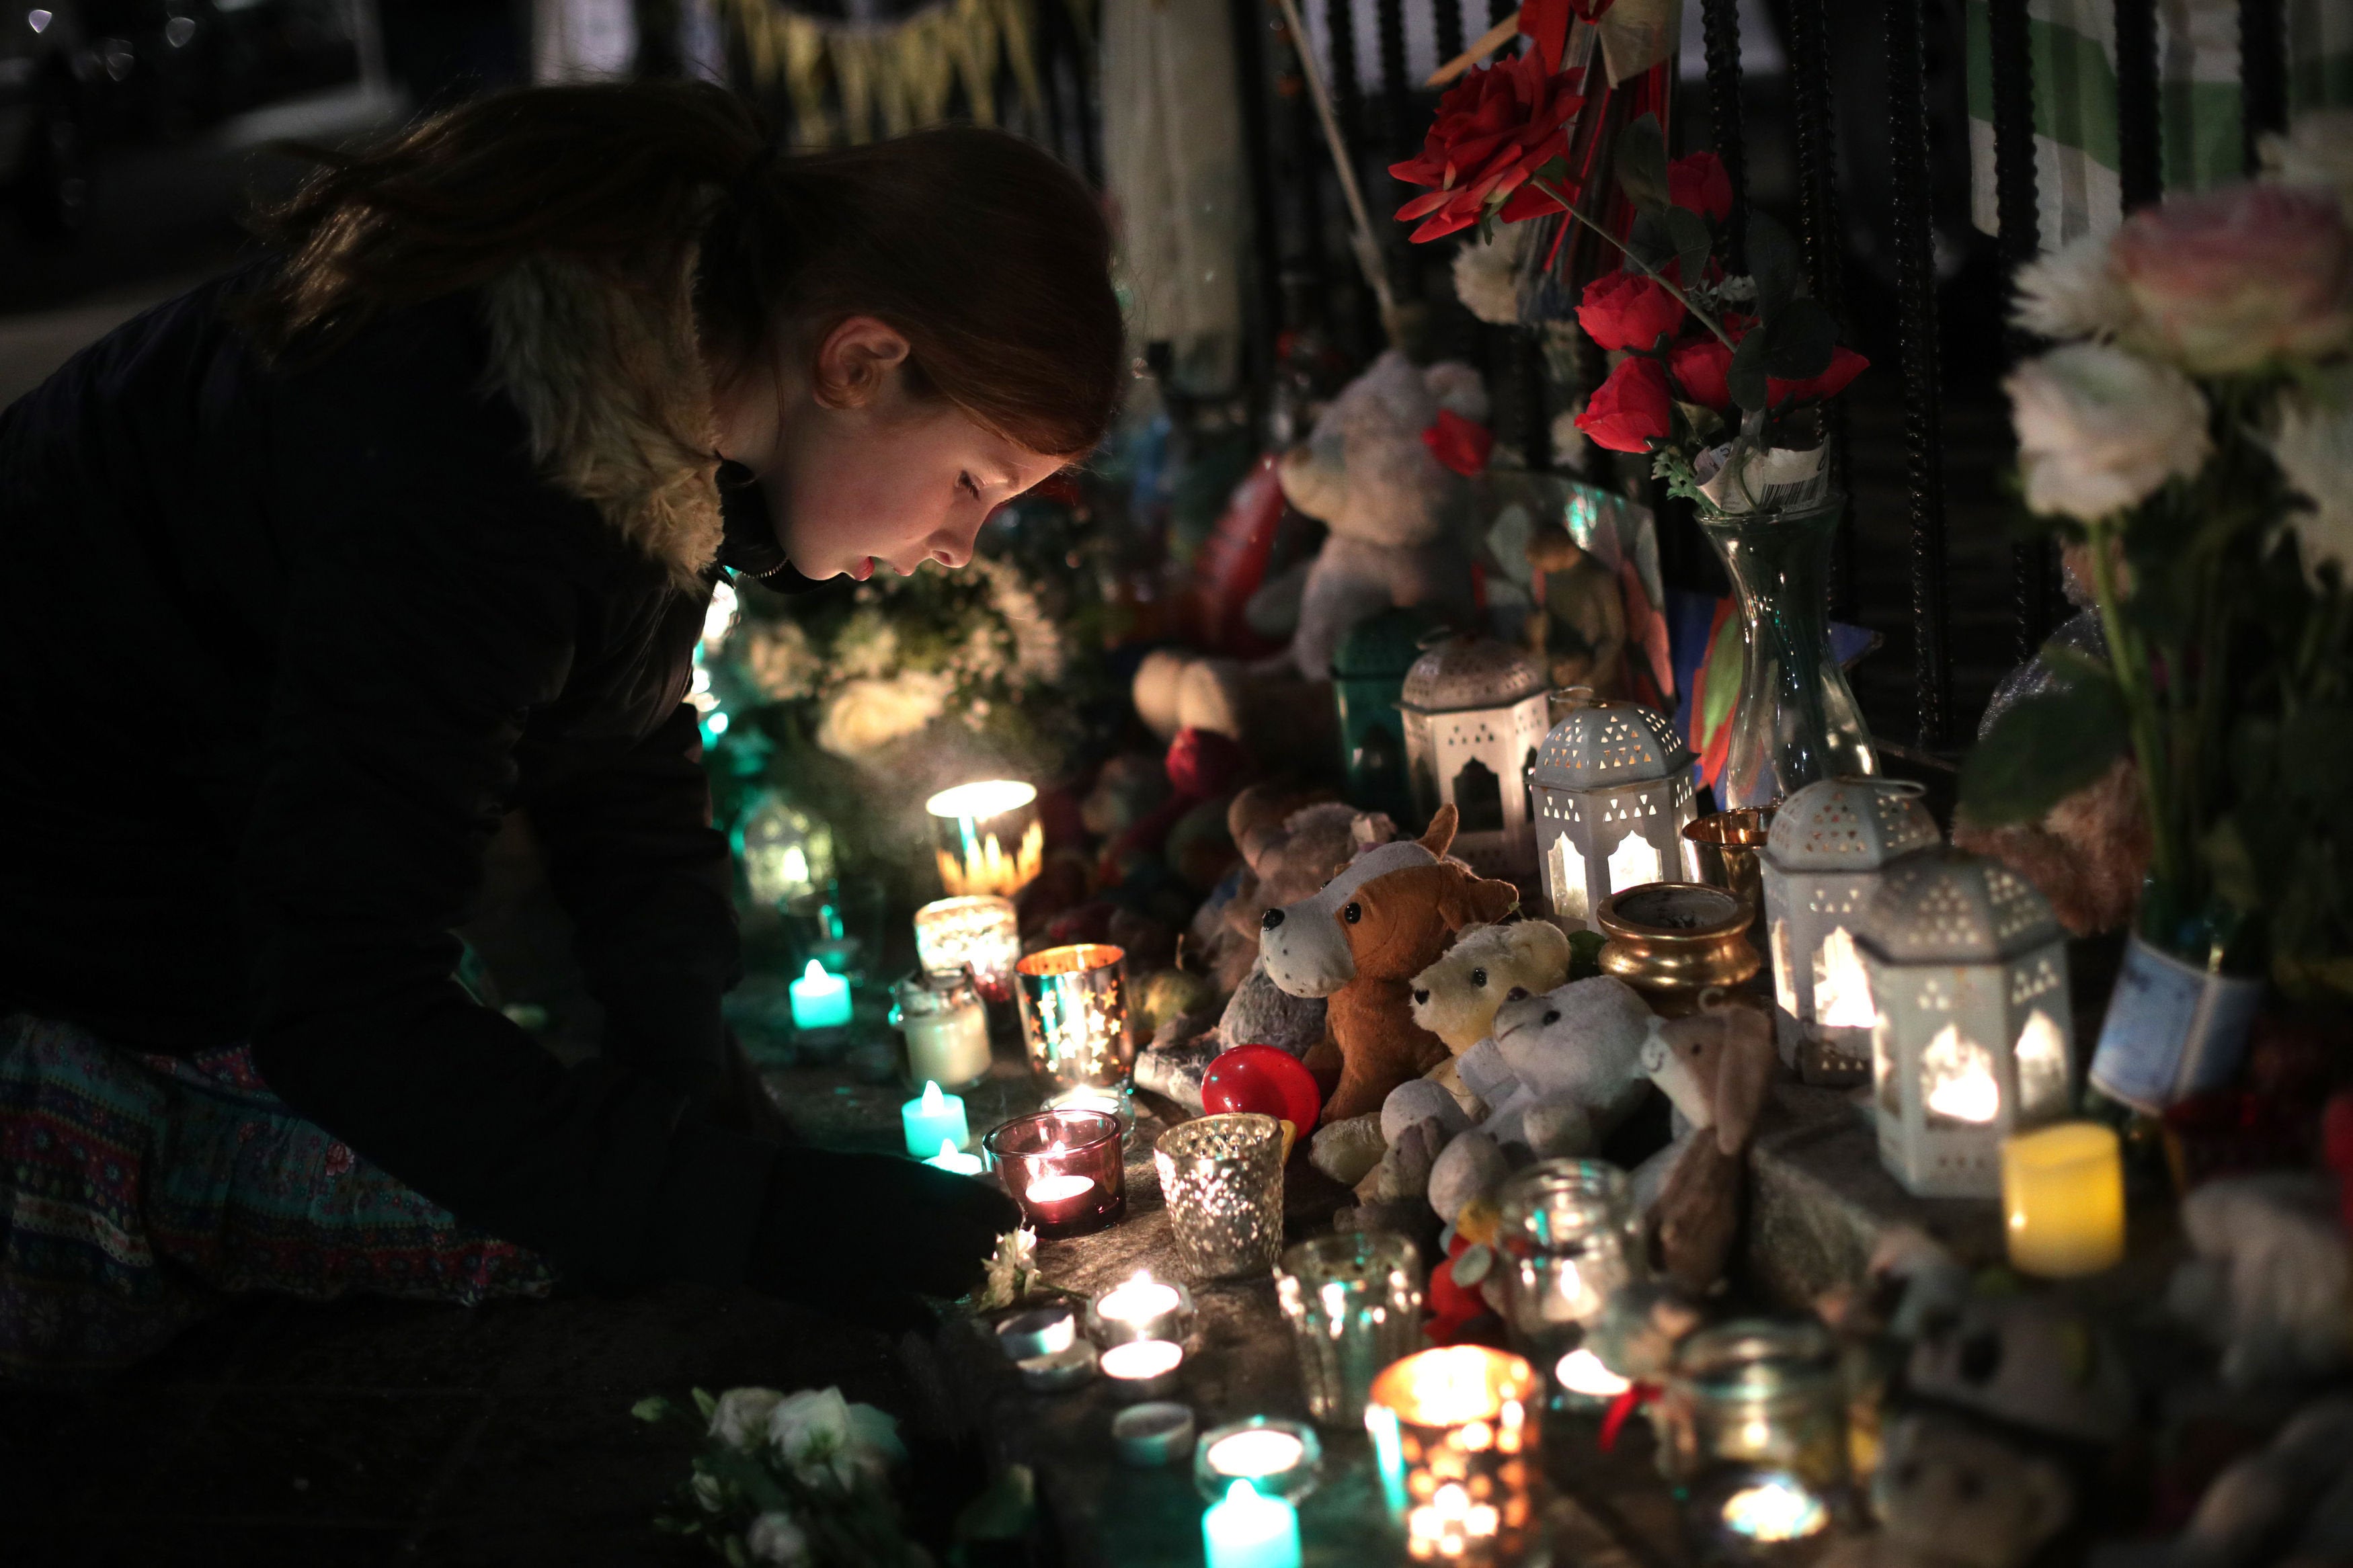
pixel 2222 282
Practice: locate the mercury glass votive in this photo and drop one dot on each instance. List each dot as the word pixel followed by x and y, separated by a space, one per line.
pixel 1756 1393
pixel 1354 1304
pixel 1281 1459
pixel 989 837
pixel 1074 1015
pixel 1221 1177
pixel 1568 1236
pixel 979 931
pixel 1064 1169
pixel 1456 1434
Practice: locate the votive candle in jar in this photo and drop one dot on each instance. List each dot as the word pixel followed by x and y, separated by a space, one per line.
pixel 1354 1301
pixel 980 931
pixel 989 837
pixel 1140 1308
pixel 1756 1395
pixel 946 1027
pixel 1143 1369
pixel 1064 1169
pixel 2062 1195
pixel 1281 1459
pixel 1074 1015
pixel 1568 1236
pixel 1221 1177
pixel 1456 1434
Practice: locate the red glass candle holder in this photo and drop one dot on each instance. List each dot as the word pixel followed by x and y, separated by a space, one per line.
pixel 1065 1169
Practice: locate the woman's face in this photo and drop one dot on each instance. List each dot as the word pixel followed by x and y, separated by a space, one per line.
pixel 860 472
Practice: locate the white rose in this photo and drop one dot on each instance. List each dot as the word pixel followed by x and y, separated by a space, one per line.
pixel 1487 275
pixel 2073 293
pixel 782 663
pixel 742 1415
pixel 2313 447
pixel 2316 151
pixel 821 1438
pixel 868 644
pixel 706 1492
pixel 2100 429
pixel 775 1538
pixel 867 715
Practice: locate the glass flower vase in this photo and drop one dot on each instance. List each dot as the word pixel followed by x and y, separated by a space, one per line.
pixel 1795 720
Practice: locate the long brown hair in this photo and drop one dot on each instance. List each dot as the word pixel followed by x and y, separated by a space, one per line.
pixel 987 254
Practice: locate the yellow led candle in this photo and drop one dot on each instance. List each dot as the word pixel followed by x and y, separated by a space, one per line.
pixel 2062 1193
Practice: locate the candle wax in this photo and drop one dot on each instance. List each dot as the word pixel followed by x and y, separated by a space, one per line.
pixel 2063 1197
pixel 1141 1299
pixel 1058 1199
pixel 949 1048
pixel 1142 1359
pixel 1248 1531
pixel 948 1160
pixel 1582 1372
pixel 932 1119
pixel 820 1001
pixel 1249 1455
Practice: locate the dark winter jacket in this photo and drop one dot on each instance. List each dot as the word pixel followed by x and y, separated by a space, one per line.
pixel 279 648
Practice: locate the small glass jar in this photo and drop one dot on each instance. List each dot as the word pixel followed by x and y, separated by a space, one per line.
pixel 1222 1179
pixel 980 932
pixel 1065 1170
pixel 1074 1015
pixel 1568 1235
pixel 1456 1435
pixel 1354 1304
pixel 1281 1459
pixel 1756 1395
pixel 946 1027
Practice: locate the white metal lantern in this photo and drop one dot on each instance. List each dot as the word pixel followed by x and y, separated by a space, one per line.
pixel 1612 791
pixel 1974 1040
pixel 1474 714
pixel 1820 867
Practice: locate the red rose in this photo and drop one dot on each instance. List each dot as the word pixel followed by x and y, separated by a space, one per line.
pixel 1632 409
pixel 1702 369
pixel 1495 128
pixel 1844 366
pixel 1459 443
pixel 1700 184
pixel 1626 310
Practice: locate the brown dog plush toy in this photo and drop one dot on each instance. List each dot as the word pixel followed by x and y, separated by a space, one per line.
pixel 1360 942
pixel 1714 1065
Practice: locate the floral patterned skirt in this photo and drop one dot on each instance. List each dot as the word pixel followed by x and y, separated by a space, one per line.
pixel 137 1193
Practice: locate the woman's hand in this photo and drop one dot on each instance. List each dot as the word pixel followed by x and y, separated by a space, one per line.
pixel 874 1219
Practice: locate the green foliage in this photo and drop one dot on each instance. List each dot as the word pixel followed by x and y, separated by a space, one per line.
pixel 2043 748
pixel 1641 164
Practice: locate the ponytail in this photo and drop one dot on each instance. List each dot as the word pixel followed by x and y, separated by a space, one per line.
pixel 989 256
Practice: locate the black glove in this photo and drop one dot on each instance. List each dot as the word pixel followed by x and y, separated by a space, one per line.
pixel 875 1219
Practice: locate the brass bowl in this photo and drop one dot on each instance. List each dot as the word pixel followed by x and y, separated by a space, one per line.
pixel 1676 942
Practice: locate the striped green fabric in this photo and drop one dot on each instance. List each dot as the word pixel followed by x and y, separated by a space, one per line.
pixel 2073 46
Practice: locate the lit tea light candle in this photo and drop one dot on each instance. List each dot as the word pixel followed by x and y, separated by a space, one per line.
pixel 1581 1373
pixel 980 932
pixel 1143 1369
pixel 1776 1508
pixel 2063 1194
pixel 820 1000
pixel 1140 1308
pixel 956 1163
pixel 1278 1458
pixel 1065 1169
pixel 1248 1530
pixel 989 837
pixel 1150 1436
pixel 1248 1456
pixel 1058 1199
pixel 933 1119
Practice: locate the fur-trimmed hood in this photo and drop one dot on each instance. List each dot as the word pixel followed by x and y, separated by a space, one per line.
pixel 612 387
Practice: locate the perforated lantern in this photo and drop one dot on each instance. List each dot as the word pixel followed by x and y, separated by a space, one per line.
pixel 785 852
pixel 1820 867
pixel 1974 1040
pixel 1612 792
pixel 1368 671
pixel 1474 714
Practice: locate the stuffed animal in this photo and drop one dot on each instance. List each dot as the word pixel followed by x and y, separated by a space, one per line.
pixel 1281 718
pixel 2269 1280
pixel 1456 997
pixel 2031 1362
pixel 1574 1057
pixel 1360 942
pixel 1640 1326
pixel 1291 844
pixel 1714 1067
pixel 2291 1504
pixel 1577 629
pixel 1952 1494
pixel 1393 509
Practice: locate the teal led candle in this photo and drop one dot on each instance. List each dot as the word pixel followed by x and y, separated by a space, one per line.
pixel 934 1119
pixel 822 1000
pixel 1248 1530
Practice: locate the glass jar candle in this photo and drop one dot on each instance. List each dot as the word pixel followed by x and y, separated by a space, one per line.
pixel 979 933
pixel 1456 1434
pixel 946 1027
pixel 1756 1395
pixel 1140 1308
pixel 1354 1304
pixel 1064 1169
pixel 1568 1236
pixel 1281 1459
pixel 1074 1015
pixel 989 837
pixel 1221 1177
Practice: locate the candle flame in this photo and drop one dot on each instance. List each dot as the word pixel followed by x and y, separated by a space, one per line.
pixel 814 972
pixel 933 1104
pixel 948 1149
pixel 1776 1509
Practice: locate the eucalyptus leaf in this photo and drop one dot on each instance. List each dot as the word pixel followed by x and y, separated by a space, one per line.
pixel 1775 261
pixel 653 1408
pixel 2042 750
pixel 1691 243
pixel 1643 165
pixel 704 1402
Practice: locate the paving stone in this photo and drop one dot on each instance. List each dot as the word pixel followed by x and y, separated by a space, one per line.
pixel 299 1456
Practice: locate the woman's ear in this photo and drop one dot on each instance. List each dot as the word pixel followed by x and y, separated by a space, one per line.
pixel 854 363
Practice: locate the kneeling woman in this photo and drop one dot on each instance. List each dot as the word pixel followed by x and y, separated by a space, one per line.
pixel 313 577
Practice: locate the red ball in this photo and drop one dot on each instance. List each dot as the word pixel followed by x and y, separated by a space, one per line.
pixel 1265 1080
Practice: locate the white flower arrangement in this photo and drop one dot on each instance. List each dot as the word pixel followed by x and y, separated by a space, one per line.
pixel 798 1480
